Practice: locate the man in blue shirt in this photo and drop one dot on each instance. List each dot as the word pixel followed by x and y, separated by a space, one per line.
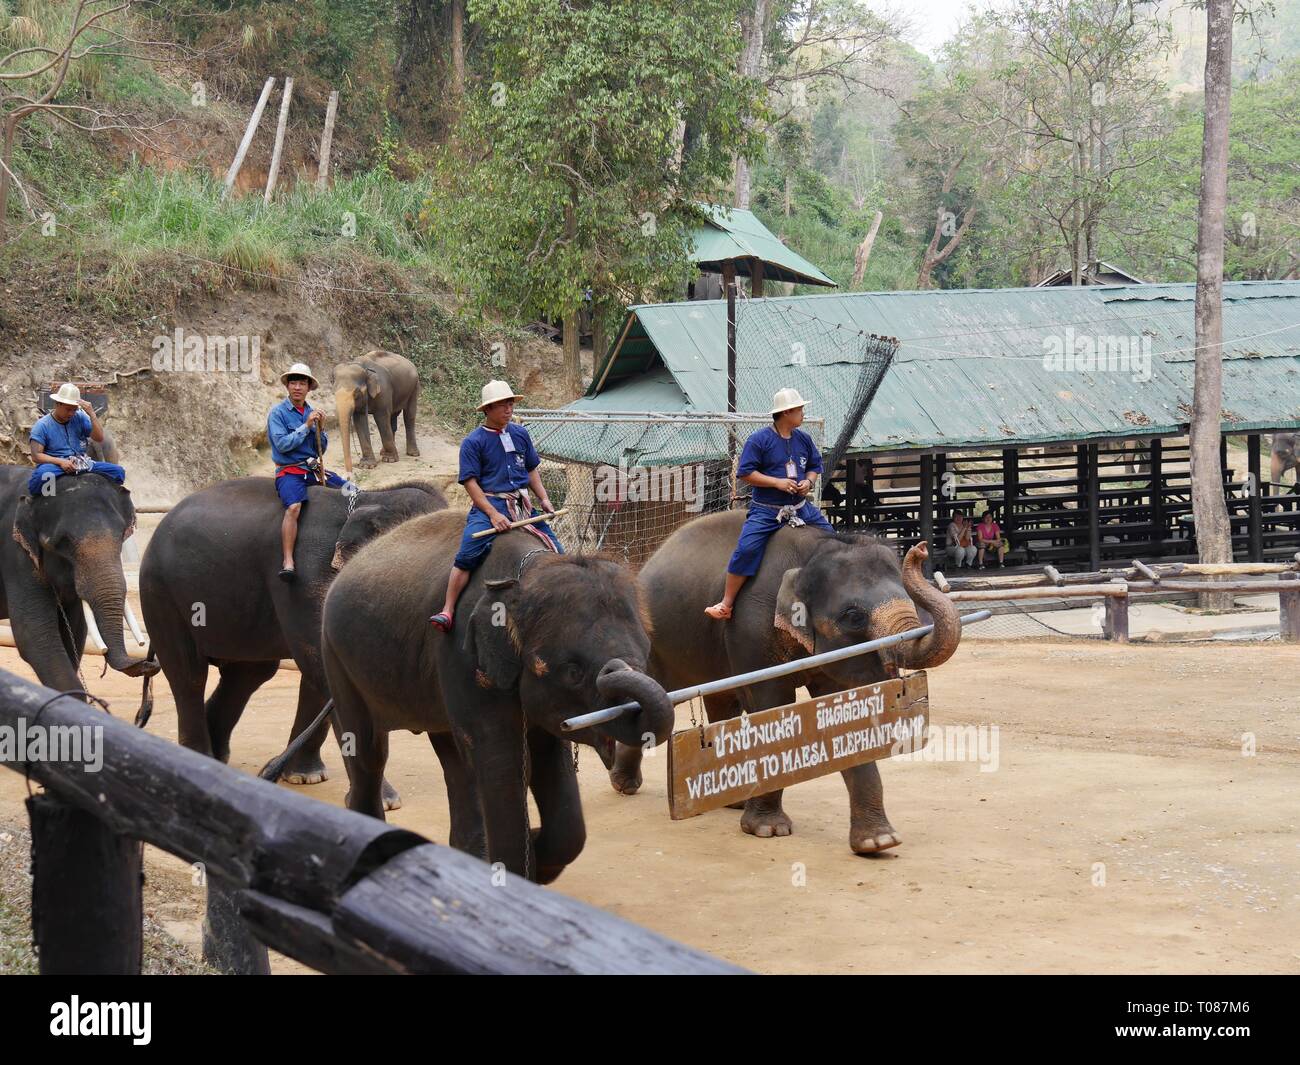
pixel 782 463
pixel 291 428
pixel 498 467
pixel 58 442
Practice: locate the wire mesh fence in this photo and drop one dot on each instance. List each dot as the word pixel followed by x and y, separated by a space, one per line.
pixel 629 479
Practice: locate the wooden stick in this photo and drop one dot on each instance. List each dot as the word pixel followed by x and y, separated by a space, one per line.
pixel 941 582
pixel 1078 591
pixel 1146 571
pixel 256 117
pixel 1054 575
pixel 279 139
pixel 327 139
pixel 520 524
pixel 320 458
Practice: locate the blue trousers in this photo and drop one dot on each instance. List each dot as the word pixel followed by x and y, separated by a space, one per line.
pixel 292 487
pixel 758 529
pixel 47 471
pixel 472 552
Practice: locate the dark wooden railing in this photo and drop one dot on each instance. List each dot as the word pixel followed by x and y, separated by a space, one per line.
pixel 338 891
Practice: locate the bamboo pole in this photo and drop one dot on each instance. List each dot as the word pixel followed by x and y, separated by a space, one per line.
pixel 242 151
pixel 520 524
pixel 279 139
pixel 326 141
pixel 1079 591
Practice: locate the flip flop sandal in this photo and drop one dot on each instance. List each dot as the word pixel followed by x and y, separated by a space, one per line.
pixel 287 575
pixel 441 621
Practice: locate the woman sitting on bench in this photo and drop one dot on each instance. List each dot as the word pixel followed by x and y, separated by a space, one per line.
pixel 988 535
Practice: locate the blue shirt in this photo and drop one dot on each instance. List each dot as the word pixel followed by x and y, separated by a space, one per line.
pixel 767 452
pixel 483 456
pixel 63 441
pixel 292 441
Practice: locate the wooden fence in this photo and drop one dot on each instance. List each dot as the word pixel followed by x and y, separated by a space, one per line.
pixel 338 891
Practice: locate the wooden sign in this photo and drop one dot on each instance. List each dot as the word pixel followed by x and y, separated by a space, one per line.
pixel 730 761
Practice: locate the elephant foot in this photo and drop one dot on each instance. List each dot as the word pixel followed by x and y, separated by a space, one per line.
pixel 765 821
pixel 308 769
pixel 392 801
pixel 413 452
pixel 874 836
pixel 367 464
pixel 625 781
pixel 386 457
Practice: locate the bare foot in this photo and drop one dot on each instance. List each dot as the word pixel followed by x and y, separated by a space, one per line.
pixel 719 612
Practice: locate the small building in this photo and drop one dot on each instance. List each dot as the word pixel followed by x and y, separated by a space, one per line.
pixel 1101 273
pixel 1060 407
pixel 733 236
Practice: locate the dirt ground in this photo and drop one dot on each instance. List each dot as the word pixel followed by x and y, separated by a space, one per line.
pixel 1131 757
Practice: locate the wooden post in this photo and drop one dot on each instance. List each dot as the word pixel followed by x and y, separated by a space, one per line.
pixel 1010 488
pixel 279 139
pixel 756 278
pixel 1288 622
pixel 242 151
pixel 1157 498
pixel 87 910
pixel 229 945
pixel 945 501
pixel 1115 626
pixel 1094 503
pixel 326 142
pixel 869 488
pixel 926 488
pixel 850 493
pixel 729 285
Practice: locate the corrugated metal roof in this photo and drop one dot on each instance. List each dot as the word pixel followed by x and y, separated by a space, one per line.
pixel 732 233
pixel 971 369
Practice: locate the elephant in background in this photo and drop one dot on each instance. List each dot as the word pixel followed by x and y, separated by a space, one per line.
pixel 1284 456
pixel 538 637
pixel 812 593
pixel 55 551
pixel 211 596
pixel 381 384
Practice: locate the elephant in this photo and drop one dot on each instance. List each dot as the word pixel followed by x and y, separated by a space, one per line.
pixel 812 593
pixel 211 596
pixel 1284 456
pixel 538 637
pixel 58 549
pixel 383 385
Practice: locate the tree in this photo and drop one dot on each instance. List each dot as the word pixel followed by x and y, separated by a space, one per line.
pixel 565 173
pixel 1209 510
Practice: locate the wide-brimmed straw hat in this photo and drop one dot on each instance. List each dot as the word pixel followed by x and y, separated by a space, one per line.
pixel 299 369
pixel 787 399
pixel 67 393
pixel 495 392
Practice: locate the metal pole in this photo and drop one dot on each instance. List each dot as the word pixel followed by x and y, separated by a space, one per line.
pixel 682 695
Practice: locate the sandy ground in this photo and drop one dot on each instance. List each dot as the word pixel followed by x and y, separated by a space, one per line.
pixel 1123 829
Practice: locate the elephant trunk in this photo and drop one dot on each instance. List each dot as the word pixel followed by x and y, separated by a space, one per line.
pixel 936 648
pixel 346 403
pixel 101 583
pixel 620 683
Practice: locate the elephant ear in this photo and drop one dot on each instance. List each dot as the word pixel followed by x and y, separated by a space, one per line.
pixel 793 615
pixel 25 531
pixel 372 383
pixel 490 642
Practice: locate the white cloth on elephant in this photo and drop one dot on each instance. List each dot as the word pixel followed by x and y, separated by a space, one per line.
pixel 788 514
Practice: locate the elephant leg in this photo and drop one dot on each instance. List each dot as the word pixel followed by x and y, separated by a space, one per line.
pixel 307 767
pixel 365 748
pixel 226 703
pixel 408 422
pixel 387 423
pixel 362 428
pixel 563 834
pixel 466 816
pixel 494 741
pixel 187 676
pixel 763 816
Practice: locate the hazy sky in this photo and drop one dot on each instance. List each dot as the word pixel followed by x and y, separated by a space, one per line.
pixel 933 21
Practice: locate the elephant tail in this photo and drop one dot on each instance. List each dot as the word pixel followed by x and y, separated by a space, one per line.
pixel 146 695
pixel 275 767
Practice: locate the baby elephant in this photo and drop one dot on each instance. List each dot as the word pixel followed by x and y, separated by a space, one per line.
pixel 538 638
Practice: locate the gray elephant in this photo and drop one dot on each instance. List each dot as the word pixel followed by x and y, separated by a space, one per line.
pixel 1284 456
pixel 381 384
pixel 538 637
pixel 211 596
pixel 55 551
pixel 813 593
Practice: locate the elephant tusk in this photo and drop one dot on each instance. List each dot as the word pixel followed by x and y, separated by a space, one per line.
pixel 92 630
pixel 132 622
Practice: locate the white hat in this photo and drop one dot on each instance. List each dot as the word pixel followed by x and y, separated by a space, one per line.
pixel 299 369
pixel 787 399
pixel 68 393
pixel 495 392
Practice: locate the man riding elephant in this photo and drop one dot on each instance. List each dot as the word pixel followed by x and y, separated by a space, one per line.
pixel 782 463
pixel 299 455
pixel 58 442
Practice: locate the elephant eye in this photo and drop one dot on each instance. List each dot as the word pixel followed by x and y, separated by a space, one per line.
pixel 571 673
pixel 854 618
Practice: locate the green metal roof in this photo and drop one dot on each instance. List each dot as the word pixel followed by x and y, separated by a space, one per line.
pixel 730 233
pixel 970 368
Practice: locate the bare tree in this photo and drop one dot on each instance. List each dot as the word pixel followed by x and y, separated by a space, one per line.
pixel 1209 510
